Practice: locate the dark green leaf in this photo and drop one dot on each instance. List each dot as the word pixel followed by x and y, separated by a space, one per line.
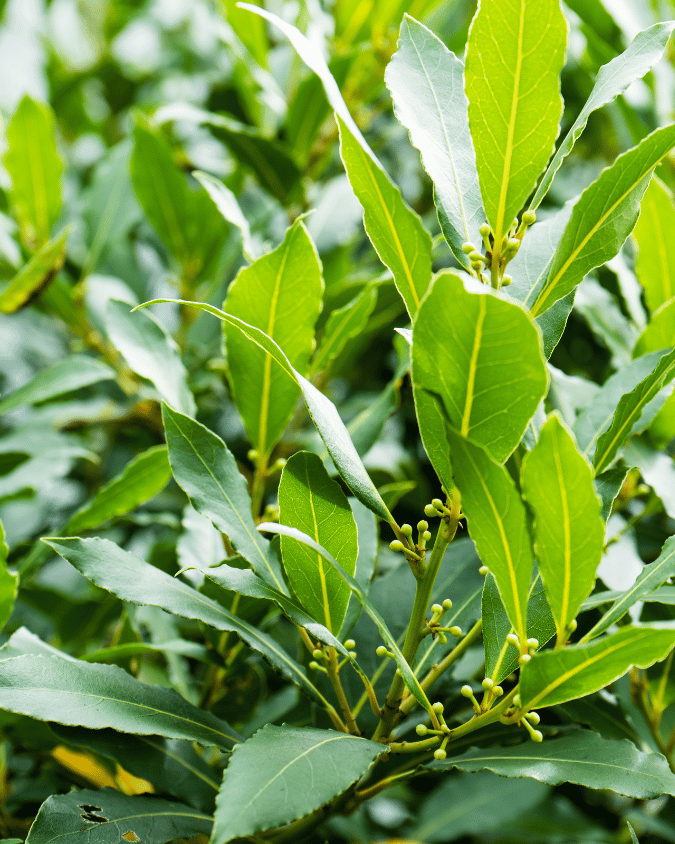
pixel 35 276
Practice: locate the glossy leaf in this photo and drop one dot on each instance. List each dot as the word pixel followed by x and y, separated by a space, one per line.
pixel 100 817
pixel 281 295
pixel 206 470
pixel 33 163
pixel 343 324
pixel 151 352
pixel 513 61
pixel 659 333
pixel 426 82
pixel 485 362
pixel 603 217
pixel 569 534
pixel 552 677
pixel 608 486
pixel 395 230
pixel 226 202
pixel 656 468
pixel 613 78
pixel 433 423
pixel 9 583
pixel 35 277
pixel 315 504
pixel 284 773
pixel 581 757
pixel 650 578
pixel 655 262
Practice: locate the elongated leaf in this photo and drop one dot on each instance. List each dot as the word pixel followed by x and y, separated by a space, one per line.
pixel 426 82
pixel 141 479
pixel 343 324
pixel 659 333
pixel 409 677
pixel 657 469
pixel 513 61
pixel 9 583
pixel 71 374
pixel 35 167
pixel 82 694
pixel 569 534
pixel 100 817
pixel 603 217
pixel 35 276
pixel 485 362
pixel 323 412
pixel 612 79
pixel 608 486
pixel 315 504
pixel 134 580
pixel 206 470
pixel 226 202
pixel 433 423
pixel 284 773
pixel 628 418
pixel 552 677
pixel 151 352
pixel 655 262
pixel 281 295
pixel 650 578
pixel 395 230
pixel 582 757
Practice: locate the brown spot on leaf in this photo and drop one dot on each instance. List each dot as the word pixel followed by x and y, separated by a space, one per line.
pixel 131 836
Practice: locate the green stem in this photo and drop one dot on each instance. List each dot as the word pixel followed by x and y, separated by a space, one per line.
pixel 343 703
pixel 259 481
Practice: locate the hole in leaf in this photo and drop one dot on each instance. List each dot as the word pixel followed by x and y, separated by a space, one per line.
pixel 88 814
pixel 131 836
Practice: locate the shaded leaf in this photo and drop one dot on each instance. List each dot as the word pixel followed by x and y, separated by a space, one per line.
pixel 35 276
pixel 655 262
pixel 343 324
pixel 9 583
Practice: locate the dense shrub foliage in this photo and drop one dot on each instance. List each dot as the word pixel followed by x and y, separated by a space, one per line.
pixel 360 529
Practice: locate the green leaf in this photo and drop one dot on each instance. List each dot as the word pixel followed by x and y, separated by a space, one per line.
pixel 281 295
pixel 395 230
pixel 226 202
pixel 136 581
pixel 81 694
pixel 35 168
pixel 660 331
pixel 322 411
pixel 206 470
pixel 9 583
pixel 650 578
pixel 552 677
pixel 634 412
pixel 426 82
pixel 140 480
pixel 285 773
pixel 36 276
pixel 68 375
pixel 569 533
pixel 603 217
pixel 150 352
pixel 655 261
pixel 100 817
pixel 513 61
pixel 608 486
pixel 185 220
pixel 613 78
pixel 343 324
pixel 485 363
pixel 497 523
pixel 581 757
pixel 315 504
pixel 433 423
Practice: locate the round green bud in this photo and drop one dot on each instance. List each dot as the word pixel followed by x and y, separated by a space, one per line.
pixel 506 281
pixel 442 638
pixel 485 230
pixel 252 454
pixel 350 644
pixel 468 248
pixel 396 545
pixel 523 659
pixel 422 526
pixel 533 643
pixel 483 570
pixel 314 666
pixel 430 511
pixel 512 639
pixel 447 604
pixel 529 218
pixel 516 700
pixel 436 609
pixel 466 691
pixel 487 684
pixel 279 464
pixel 512 245
pixel 437 504
pixel 455 631
pixel 476 258
pixel 421 730
pixel 426 536
pixel 572 626
pixel 440 754
pixel 497 691
pixel 407 530
pixel 536 736
pixel 317 654
pixel 438 707
pixel 381 651
pixel 533 718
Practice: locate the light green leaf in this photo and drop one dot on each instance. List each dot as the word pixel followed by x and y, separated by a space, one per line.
pixel 100 817
pixel 35 168
pixel 315 504
pixel 136 581
pixel 281 295
pixel 140 480
pixel 650 578
pixel 655 261
pixel 426 82
pixel 497 523
pixel 569 533
pixel 514 57
pixel 660 331
pixel 657 470
pixel 581 757
pixel 206 470
pixel 226 202
pixel 613 78
pixel 343 324
pixel 395 230
pixel 9 583
pixel 552 677
pixel 82 694
pixel 284 773
pixel 75 372
pixel 608 485
pixel 322 411
pixel 484 361
pixel 603 217
pixel 432 422
pixel 151 352
pixel 634 412
pixel 36 276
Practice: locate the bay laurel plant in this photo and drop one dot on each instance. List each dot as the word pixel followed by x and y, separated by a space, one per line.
pixel 488 661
